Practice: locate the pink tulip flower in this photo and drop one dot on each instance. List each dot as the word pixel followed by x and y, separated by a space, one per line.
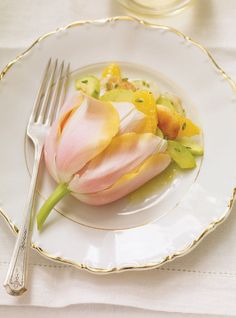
pixel 99 152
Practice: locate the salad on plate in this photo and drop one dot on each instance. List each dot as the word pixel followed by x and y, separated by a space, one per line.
pixel 113 136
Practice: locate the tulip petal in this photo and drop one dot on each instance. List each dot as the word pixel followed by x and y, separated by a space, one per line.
pixel 131 120
pixel 50 146
pixel 124 153
pixel 134 122
pixel 86 133
pixel 123 109
pixel 129 182
pixel 72 102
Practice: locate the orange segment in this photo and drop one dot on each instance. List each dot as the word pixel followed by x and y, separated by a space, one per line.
pixel 187 128
pixel 145 103
pixel 112 70
pixel 174 125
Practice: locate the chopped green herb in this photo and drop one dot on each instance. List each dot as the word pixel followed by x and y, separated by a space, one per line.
pixel 116 85
pixel 84 81
pixel 176 149
pixel 139 100
pixel 194 147
pixel 184 125
pixel 125 79
pixel 144 83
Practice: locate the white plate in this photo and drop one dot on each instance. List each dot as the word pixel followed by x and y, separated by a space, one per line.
pixel 161 221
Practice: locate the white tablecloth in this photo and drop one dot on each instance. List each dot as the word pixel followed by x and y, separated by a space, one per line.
pixel 203 282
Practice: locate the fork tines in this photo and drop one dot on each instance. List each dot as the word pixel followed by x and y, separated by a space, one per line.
pixel 51 93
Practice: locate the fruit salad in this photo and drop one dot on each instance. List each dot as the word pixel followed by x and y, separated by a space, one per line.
pixel 166 116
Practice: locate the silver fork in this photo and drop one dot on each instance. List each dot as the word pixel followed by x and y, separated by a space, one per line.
pixel 50 97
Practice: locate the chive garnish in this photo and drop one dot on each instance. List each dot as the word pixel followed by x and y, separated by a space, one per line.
pixel 176 149
pixel 139 100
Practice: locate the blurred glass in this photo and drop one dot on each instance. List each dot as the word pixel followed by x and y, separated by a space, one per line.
pixel 155 7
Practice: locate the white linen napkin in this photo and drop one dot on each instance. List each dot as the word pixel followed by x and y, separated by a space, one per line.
pixel 194 283
pixel 203 281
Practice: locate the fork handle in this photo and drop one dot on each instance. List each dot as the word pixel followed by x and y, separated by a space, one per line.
pixel 16 278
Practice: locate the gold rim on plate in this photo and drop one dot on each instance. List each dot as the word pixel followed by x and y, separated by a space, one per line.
pixel 211 226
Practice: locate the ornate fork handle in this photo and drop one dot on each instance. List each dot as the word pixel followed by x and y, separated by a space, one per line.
pixel 16 279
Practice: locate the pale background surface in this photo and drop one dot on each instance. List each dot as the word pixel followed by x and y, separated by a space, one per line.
pixel 203 282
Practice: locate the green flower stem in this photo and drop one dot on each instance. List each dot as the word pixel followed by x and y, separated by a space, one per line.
pixel 60 191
